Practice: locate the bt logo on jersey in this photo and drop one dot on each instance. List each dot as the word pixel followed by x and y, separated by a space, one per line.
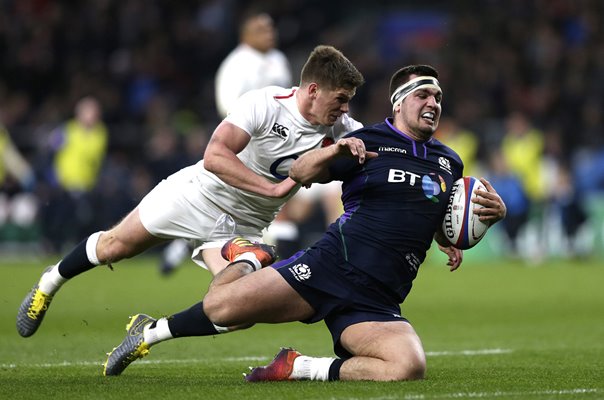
pixel 398 176
pixel 432 184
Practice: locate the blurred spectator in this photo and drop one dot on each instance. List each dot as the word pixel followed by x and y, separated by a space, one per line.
pixel 576 236
pixel 163 155
pixel 77 150
pixel 18 206
pixel 567 232
pixel 510 188
pixel 523 150
pixel 253 64
pixel 13 166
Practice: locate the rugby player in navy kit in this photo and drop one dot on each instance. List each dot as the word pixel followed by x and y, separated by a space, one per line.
pixel 396 182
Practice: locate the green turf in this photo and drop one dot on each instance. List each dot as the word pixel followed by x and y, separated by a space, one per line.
pixel 491 330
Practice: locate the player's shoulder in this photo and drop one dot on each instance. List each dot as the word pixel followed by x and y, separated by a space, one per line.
pixel 444 148
pixel 261 105
pixel 280 93
pixel 370 132
pixel 268 95
pixel 447 157
pixel 344 125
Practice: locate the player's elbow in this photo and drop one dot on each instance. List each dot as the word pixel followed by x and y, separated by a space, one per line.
pixel 307 177
pixel 212 162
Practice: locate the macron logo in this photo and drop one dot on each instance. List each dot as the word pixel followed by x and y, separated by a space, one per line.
pixel 280 131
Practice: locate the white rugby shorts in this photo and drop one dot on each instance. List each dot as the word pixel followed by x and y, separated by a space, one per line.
pixel 176 208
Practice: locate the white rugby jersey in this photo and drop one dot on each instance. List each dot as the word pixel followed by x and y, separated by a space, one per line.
pixel 279 135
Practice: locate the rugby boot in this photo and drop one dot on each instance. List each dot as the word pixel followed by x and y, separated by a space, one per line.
pixel 32 310
pixel 235 247
pixel 132 347
pixel 280 369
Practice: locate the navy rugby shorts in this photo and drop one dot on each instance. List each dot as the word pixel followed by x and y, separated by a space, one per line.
pixel 339 293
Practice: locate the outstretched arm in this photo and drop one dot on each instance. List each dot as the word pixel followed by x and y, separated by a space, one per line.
pixel 221 159
pixel 313 166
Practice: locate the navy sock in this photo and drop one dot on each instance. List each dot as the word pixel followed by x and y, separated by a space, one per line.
pixel 191 322
pixel 334 370
pixel 75 262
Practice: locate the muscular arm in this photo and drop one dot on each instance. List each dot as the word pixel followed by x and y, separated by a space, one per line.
pixel 313 166
pixel 221 159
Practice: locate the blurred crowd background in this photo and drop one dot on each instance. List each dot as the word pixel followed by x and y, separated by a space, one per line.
pixel 523 83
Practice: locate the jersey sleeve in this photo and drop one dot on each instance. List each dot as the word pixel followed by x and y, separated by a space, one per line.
pixel 249 112
pixel 457 166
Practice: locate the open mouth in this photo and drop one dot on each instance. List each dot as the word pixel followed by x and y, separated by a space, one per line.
pixel 429 116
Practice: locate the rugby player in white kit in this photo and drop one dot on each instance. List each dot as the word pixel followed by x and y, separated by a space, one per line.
pixel 236 190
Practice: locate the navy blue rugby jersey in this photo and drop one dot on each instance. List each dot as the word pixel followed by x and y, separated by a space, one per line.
pixel 393 204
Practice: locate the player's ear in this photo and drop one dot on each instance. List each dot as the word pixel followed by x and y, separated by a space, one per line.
pixel 313 90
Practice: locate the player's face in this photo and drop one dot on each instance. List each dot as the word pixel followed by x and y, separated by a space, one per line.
pixel 420 112
pixel 329 105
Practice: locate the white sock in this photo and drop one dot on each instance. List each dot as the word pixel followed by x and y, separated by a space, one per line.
pixel 249 256
pixel 159 333
pixel 313 368
pixel 221 329
pixel 51 281
pixel 91 248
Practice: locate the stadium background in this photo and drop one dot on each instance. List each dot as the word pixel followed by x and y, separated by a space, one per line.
pixel 152 65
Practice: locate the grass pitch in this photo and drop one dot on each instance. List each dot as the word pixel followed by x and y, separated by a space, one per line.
pixel 491 330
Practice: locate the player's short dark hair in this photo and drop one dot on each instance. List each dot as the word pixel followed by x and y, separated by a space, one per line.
pixel 402 75
pixel 328 67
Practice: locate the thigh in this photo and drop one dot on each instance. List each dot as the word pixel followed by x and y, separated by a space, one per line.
pixel 127 239
pixel 176 208
pixel 384 340
pixel 261 296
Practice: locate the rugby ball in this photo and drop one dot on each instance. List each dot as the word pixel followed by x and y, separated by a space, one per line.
pixel 461 226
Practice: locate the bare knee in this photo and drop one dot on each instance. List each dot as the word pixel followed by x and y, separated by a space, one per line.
pixel 218 311
pixel 385 351
pixel 407 369
pixel 410 369
pixel 110 249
